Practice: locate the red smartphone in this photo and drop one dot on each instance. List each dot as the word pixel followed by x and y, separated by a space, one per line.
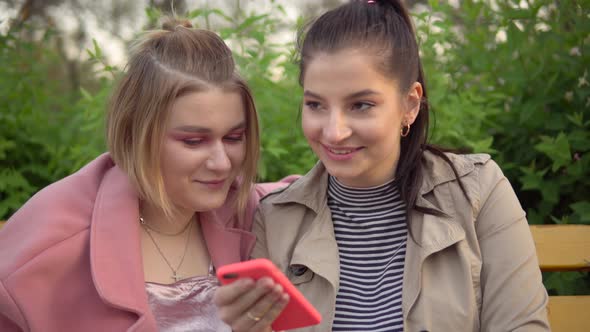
pixel 298 312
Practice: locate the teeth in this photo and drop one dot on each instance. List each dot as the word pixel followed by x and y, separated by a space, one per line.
pixel 341 151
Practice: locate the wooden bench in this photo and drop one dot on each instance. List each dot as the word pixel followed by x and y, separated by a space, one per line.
pixel 562 248
pixel 565 248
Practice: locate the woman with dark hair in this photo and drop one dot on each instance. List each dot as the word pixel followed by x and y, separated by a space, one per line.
pixel 130 241
pixel 387 232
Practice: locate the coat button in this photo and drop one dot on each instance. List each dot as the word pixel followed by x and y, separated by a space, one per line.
pixel 297 270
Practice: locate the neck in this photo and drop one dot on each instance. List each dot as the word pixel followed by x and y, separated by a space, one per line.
pixel 156 218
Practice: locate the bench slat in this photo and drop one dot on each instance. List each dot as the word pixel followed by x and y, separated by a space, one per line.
pixel 562 247
pixel 569 313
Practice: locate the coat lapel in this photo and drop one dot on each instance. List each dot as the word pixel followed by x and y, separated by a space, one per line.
pixel 115 249
pixel 226 245
pixel 317 248
pixel 226 242
pixel 432 233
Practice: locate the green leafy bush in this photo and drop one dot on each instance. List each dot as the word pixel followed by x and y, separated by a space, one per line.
pixel 47 131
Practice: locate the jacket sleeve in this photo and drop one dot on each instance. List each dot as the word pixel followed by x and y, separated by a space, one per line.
pixel 9 313
pixel 513 295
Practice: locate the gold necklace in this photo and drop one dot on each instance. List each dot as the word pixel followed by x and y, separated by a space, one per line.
pixel 175 274
pixel 142 221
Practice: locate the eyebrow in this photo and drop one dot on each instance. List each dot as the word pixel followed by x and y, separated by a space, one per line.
pixel 362 93
pixel 205 130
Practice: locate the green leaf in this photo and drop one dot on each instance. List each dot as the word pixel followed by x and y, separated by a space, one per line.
pixel 557 149
pixel 250 21
pixel 97 50
pixel 577 118
pixel 550 192
pixel 582 209
pixel 85 94
pixel 532 180
pixel 259 36
pixel 563 221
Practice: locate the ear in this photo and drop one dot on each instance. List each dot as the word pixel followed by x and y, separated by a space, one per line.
pixel 412 102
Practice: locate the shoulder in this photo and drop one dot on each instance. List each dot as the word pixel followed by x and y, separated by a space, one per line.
pixel 480 167
pixel 478 174
pixel 463 163
pixel 308 190
pixel 225 214
pixel 266 189
pixel 440 168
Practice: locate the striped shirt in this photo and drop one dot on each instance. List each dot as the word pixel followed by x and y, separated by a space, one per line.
pixel 370 228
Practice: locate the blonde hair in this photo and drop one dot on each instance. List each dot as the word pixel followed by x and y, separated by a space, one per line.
pixel 164 65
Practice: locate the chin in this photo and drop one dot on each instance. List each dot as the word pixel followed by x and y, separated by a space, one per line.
pixel 341 171
pixel 211 202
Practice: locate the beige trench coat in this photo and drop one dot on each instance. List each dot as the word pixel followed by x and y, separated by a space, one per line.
pixel 473 269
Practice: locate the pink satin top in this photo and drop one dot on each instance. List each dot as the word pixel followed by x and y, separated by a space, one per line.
pixel 186 305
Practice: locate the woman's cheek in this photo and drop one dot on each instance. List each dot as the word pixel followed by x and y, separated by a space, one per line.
pixel 237 153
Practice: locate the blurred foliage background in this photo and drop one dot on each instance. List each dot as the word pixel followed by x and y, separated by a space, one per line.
pixel 505 77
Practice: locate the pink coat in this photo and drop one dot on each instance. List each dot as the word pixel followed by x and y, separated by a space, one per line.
pixel 70 258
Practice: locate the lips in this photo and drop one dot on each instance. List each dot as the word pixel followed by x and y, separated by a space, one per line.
pixel 213 181
pixel 213 184
pixel 340 153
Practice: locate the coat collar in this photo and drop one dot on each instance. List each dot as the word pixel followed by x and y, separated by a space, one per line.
pixel 226 242
pixel 115 245
pixel 311 189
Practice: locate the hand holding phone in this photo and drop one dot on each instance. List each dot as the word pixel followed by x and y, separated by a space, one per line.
pixel 298 312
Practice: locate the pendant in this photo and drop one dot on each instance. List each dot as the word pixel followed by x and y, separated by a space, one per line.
pixel 176 277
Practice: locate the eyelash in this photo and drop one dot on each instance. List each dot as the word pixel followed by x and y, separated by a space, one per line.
pixel 231 139
pixel 365 106
pixel 312 105
pixel 192 142
pixel 235 138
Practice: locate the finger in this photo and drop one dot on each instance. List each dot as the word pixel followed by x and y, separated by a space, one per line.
pixel 274 311
pixel 228 294
pixel 260 316
pixel 231 312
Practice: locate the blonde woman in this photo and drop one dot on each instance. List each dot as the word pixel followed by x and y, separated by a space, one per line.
pixel 129 242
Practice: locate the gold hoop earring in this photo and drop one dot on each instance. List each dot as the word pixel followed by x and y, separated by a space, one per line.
pixel 405 131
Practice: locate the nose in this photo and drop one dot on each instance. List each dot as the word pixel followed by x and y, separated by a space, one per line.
pixel 218 159
pixel 336 128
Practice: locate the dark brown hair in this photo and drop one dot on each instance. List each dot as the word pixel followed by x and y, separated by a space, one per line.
pixel 164 65
pixel 383 28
